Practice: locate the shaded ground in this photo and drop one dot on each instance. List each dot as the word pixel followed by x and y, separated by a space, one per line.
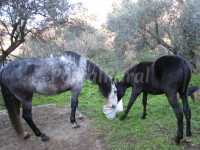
pixel 55 123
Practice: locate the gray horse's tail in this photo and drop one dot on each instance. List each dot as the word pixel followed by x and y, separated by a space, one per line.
pixel 13 108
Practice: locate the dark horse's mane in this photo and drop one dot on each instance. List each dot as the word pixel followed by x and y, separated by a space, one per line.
pixel 95 74
pixel 140 67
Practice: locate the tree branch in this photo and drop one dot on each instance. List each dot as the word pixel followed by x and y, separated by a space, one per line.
pixel 1 45
pixel 5 26
pixel 162 42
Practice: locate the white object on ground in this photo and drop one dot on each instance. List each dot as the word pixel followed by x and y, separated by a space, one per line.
pixel 111 112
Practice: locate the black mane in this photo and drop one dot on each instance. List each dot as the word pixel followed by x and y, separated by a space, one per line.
pixel 95 74
pixel 141 67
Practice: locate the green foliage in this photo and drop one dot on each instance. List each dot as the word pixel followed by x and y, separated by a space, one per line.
pixel 106 59
pixel 149 23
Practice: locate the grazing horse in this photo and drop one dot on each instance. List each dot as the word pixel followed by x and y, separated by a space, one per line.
pixel 167 75
pixel 20 79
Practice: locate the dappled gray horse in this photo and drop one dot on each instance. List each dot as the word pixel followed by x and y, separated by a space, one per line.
pixel 49 76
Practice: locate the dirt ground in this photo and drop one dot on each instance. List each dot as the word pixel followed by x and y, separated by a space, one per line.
pixel 55 123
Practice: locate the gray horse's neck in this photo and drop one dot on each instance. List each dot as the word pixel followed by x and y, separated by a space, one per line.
pixel 98 76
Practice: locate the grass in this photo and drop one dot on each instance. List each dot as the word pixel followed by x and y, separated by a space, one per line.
pixel 155 132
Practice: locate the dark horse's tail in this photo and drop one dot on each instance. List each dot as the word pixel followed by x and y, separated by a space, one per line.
pixel 13 108
pixel 192 89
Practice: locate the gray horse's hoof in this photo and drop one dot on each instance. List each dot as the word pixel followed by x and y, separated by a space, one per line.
pixel 44 138
pixel 75 125
pixel 80 117
pixel 26 135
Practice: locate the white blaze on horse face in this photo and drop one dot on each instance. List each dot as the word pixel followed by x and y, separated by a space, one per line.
pixel 112 98
pixel 110 109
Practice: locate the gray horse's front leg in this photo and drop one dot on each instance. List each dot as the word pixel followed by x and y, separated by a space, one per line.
pixel 74 105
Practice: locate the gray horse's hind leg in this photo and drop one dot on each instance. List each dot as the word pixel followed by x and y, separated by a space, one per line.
pixel 27 115
pixel 74 105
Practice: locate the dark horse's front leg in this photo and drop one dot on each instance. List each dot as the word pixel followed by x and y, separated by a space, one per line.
pixel 27 115
pixel 133 97
pixel 144 102
pixel 74 105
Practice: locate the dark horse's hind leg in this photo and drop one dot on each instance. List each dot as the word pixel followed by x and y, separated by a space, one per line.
pixel 172 98
pixel 134 96
pixel 187 113
pixel 74 105
pixel 144 102
pixel 27 115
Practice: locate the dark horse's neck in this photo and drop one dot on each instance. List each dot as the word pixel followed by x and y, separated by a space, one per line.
pixel 121 88
pixel 95 74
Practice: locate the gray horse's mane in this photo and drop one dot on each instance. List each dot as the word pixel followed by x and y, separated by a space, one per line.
pixel 95 74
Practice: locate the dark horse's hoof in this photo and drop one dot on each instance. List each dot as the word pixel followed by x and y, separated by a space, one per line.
pixel 75 125
pixel 44 138
pixel 178 140
pixel 143 117
pixel 188 139
pixel 122 117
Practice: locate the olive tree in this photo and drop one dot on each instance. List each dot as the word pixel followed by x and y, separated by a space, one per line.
pixel 174 24
pixel 19 18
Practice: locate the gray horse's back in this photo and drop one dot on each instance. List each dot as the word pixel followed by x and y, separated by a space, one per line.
pixel 45 76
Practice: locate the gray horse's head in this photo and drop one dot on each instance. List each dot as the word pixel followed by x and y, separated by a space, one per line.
pixel 112 97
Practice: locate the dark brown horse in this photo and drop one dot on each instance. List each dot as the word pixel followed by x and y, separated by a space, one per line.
pixel 168 75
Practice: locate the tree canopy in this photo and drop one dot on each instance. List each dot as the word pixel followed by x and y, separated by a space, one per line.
pixel 174 24
pixel 18 18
